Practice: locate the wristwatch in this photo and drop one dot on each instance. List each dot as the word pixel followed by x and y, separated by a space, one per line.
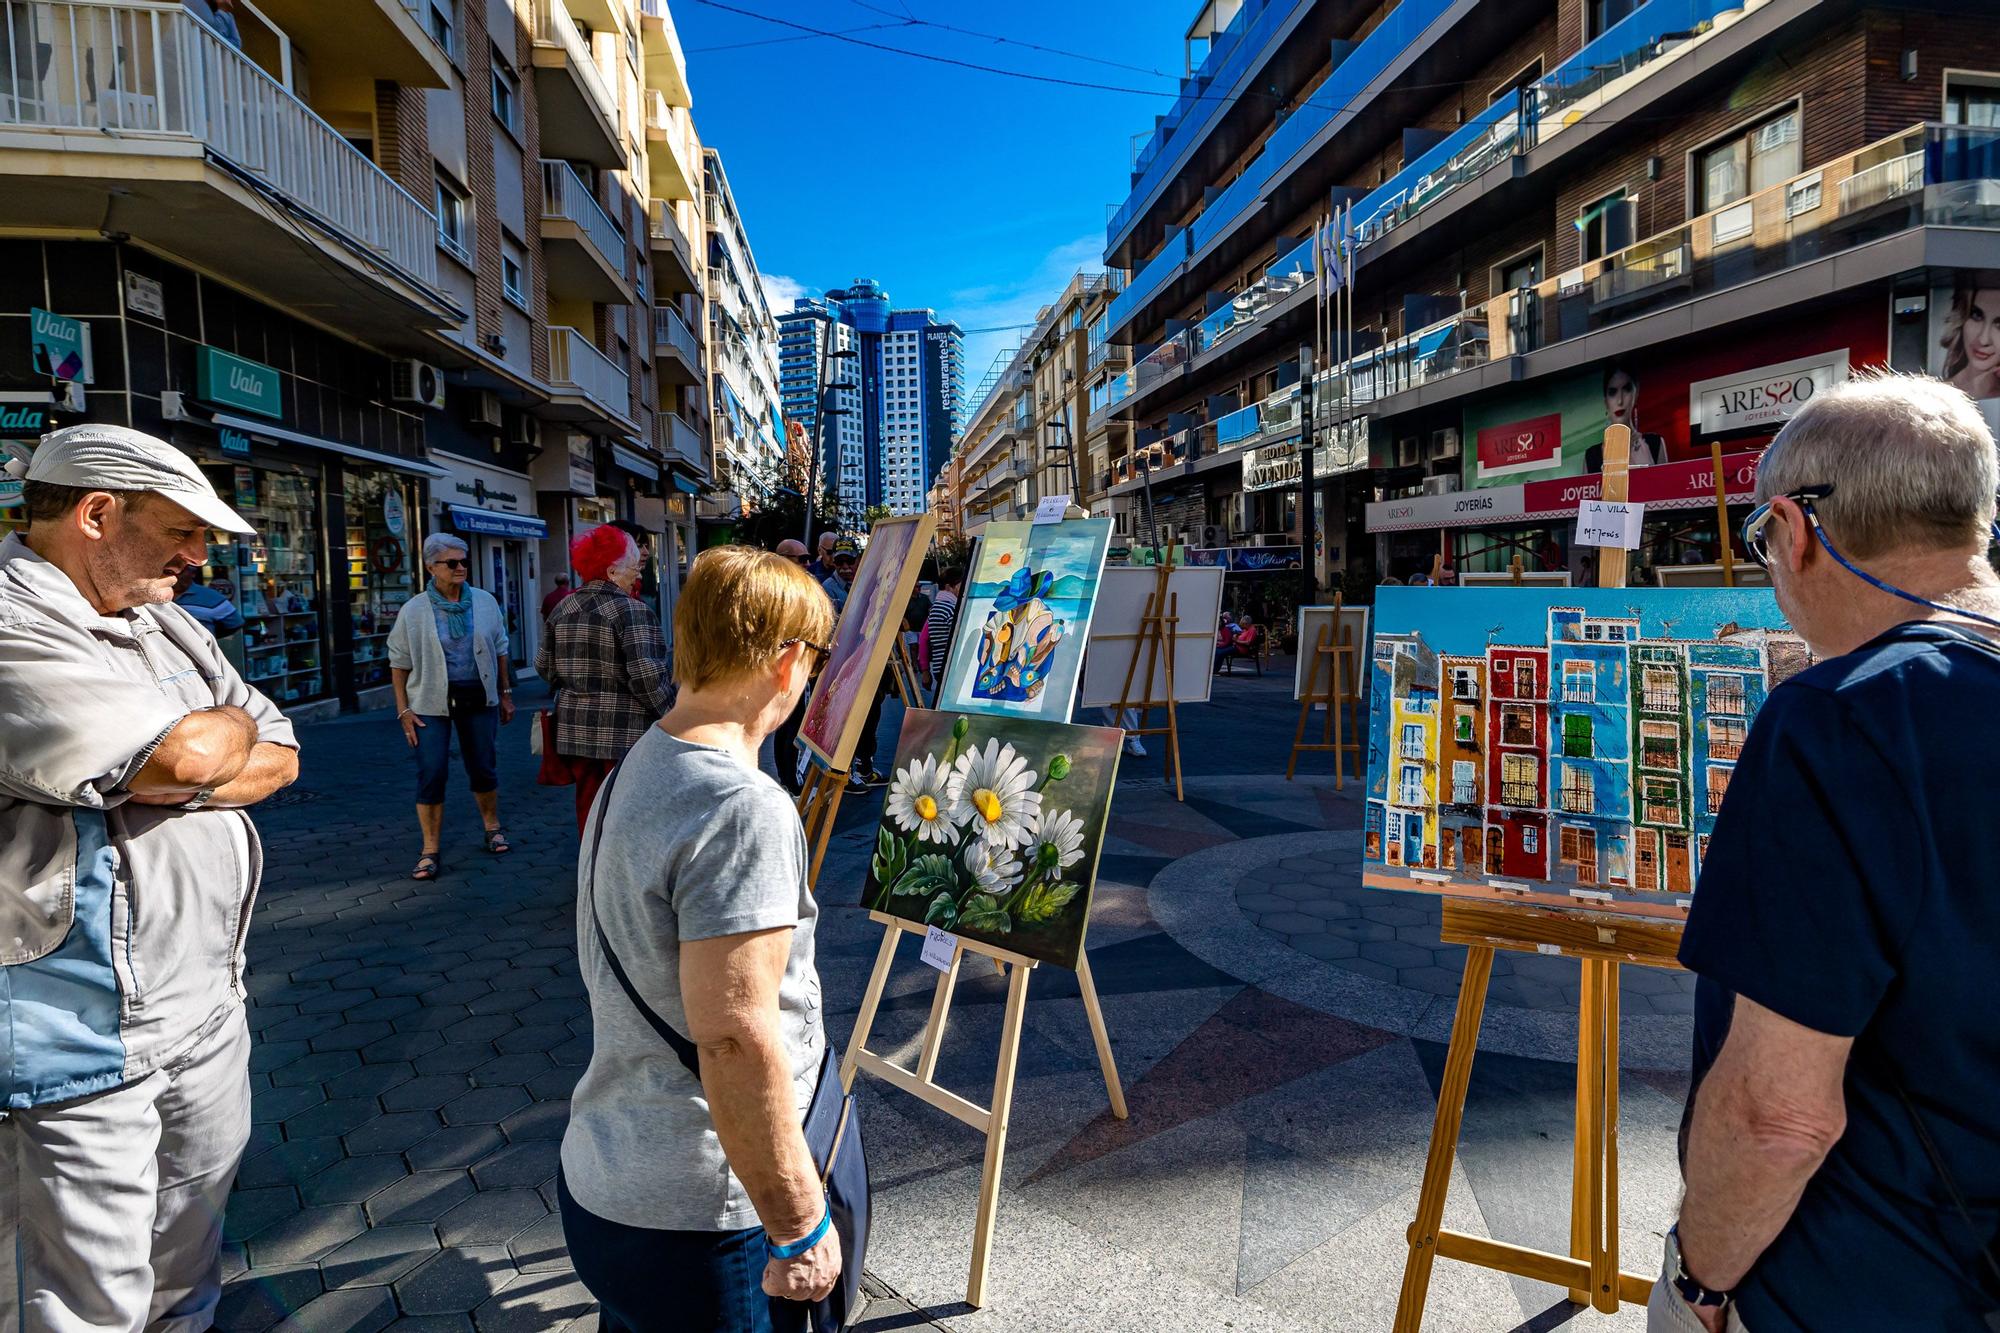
pixel 199 799
pixel 1691 1291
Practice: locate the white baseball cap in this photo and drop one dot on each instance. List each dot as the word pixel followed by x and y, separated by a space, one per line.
pixel 118 458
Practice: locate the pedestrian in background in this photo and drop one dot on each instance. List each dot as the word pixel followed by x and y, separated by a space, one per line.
pixel 846 558
pixel 129 750
pixel 785 740
pixel 603 655
pixel 448 664
pixel 555 594
pixel 691 1202
pixel 821 567
pixel 1842 1155
pixel 938 626
pixel 217 614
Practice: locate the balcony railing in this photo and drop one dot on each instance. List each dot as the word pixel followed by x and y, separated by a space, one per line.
pixel 670 330
pixel 1521 794
pixel 177 77
pixel 555 27
pixel 577 366
pixel 564 195
pixel 676 439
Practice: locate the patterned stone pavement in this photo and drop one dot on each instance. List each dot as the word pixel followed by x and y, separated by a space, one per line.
pixel 416 1045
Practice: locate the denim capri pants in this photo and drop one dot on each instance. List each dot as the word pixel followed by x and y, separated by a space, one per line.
pixel 478 726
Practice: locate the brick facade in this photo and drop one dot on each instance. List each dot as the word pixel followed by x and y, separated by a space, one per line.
pixel 403 137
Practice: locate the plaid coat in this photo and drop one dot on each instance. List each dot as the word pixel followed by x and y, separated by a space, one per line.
pixel 603 655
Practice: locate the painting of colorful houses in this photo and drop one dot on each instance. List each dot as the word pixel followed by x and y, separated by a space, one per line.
pixel 1562 745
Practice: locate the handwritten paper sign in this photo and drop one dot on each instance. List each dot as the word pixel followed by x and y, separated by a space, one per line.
pixel 1051 509
pixel 939 946
pixel 1603 523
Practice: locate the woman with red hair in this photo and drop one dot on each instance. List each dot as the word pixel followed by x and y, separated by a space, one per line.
pixel 604 657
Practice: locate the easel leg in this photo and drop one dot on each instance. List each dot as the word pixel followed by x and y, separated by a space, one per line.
pixel 996 1134
pixel 1444 1138
pixel 1585 1185
pixel 1604 1259
pixel 830 791
pixel 1100 1035
pixel 871 1000
pixel 1339 733
pixel 1298 736
pixel 947 982
pixel 1174 741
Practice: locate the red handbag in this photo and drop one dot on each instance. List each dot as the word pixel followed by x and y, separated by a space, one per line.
pixel 556 770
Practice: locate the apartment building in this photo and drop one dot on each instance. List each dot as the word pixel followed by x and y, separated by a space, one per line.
pixel 1030 434
pixel 375 266
pixel 891 382
pixel 1683 215
pixel 750 436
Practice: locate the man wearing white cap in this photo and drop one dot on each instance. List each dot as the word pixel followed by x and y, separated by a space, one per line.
pixel 128 749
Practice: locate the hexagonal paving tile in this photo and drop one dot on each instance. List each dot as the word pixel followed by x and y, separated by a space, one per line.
pixel 335 1117
pixel 541 1246
pixel 401 1046
pixel 421 1197
pixel 532 1303
pixel 457 1057
pixel 540 1038
pixel 543 1120
pixel 260 1299
pixel 288 1163
pixel 380 1255
pixel 512 1068
pixel 455 1281
pixel 519 1164
pixel 353 1179
pixel 314 1068
pixel 480 1027
pixel 357 1310
pixel 283 1103
pixel 491 1217
pixel 484 1106
pixel 1396 954
pixel 306 1235
pixel 250 1211
pixel 392 1132
pixel 426 1092
pixel 459 1146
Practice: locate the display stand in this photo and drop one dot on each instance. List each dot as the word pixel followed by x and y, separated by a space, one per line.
pixel 1157 628
pixel 920 1083
pixel 819 800
pixel 1338 659
pixel 1601 944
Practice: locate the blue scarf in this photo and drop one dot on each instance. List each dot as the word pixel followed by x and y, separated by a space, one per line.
pixel 457 615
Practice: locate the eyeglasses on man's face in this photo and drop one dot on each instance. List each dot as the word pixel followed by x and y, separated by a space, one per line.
pixel 1760 518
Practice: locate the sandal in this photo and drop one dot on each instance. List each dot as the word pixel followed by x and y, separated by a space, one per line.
pixel 496 842
pixel 429 866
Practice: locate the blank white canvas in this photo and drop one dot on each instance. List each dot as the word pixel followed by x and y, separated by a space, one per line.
pixel 1121 602
pixel 1353 618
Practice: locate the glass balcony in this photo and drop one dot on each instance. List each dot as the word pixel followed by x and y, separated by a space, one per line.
pixel 178 79
pixel 1238 428
pixel 1289 273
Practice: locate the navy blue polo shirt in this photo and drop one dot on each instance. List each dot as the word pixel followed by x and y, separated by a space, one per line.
pixel 1852 885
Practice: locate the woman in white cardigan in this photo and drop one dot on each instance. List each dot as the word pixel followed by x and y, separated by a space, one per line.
pixel 448 662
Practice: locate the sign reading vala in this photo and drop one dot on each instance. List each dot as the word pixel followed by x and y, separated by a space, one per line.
pixel 22 421
pixel 233 381
pixel 1766 396
pixel 60 346
pixel 235 443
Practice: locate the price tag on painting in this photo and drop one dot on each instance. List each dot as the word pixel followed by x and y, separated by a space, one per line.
pixel 1051 509
pixel 1603 523
pixel 939 946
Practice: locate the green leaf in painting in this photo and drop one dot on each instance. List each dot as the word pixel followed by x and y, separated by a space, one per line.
pixel 984 912
pixel 1045 901
pixel 942 913
pixel 930 874
pixel 891 858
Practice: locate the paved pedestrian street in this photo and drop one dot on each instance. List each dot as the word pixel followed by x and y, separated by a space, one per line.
pixel 1280 1033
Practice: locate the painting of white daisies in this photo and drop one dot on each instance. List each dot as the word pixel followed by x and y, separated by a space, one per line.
pixel 991 830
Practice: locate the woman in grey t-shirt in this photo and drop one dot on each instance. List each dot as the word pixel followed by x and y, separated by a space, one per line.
pixel 683 1199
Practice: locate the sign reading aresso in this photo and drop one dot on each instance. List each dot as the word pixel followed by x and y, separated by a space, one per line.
pixel 1766 396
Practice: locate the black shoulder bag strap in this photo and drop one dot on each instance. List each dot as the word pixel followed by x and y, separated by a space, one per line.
pixel 1985 1243
pixel 680 1045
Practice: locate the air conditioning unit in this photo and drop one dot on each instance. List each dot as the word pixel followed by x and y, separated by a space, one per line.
pixel 416 383
pixel 1409 451
pixel 1212 536
pixel 526 431
pixel 1441 485
pixel 484 410
pixel 1444 443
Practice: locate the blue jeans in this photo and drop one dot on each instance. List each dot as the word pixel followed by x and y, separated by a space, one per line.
pixel 648 1281
pixel 478 725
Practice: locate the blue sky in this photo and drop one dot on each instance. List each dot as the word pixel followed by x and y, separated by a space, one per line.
pixel 974 194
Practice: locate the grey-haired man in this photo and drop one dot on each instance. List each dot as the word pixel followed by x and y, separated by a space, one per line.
pixel 128 749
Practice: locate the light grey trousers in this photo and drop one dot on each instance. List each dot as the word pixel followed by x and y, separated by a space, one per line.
pixel 111 1205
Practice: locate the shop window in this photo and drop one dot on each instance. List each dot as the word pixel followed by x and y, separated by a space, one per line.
pixel 274 579
pixel 1747 161
pixel 381 570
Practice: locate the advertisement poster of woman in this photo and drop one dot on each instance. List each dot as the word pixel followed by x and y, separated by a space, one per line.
pixel 1621 408
pixel 1970 343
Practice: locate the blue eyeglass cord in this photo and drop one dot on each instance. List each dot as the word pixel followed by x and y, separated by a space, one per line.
pixel 1891 588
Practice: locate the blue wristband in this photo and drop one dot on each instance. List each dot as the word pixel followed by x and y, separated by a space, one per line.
pixel 799 1247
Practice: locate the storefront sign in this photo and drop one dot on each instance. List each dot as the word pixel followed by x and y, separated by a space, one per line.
pixel 582 466
pixel 232 381
pixel 1608 523
pixel 1272 467
pixel 1765 396
pixel 24 420
pixel 145 296
pixel 1446 511
pixel 10 487
pixel 235 443
pixel 392 511
pixel 1520 446
pixel 60 345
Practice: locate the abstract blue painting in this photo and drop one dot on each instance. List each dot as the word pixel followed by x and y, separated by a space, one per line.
pixel 1024 618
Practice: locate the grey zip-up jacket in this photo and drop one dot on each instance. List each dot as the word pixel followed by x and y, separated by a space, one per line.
pixel 121 924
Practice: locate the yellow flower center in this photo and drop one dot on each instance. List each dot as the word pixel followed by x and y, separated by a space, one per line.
pixel 987 804
pixel 926 808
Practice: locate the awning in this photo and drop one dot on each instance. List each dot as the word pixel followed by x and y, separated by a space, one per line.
pixel 264 430
pixel 1429 343
pixel 637 464
pixel 496 522
pixel 685 486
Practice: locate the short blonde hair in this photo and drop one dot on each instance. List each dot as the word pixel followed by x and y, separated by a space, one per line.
pixel 738 609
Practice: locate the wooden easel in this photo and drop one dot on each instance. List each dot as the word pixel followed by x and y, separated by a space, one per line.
pixel 1338 659
pixel 1601 944
pixel 1157 630
pixel 819 800
pixel 920 1083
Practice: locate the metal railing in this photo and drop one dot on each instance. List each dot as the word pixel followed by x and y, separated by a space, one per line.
pixel 564 195
pixel 675 438
pixel 555 27
pixel 670 330
pixel 151 69
pixel 1518 794
pixel 574 364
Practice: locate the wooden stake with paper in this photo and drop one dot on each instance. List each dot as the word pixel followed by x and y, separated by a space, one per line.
pixel 1601 943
